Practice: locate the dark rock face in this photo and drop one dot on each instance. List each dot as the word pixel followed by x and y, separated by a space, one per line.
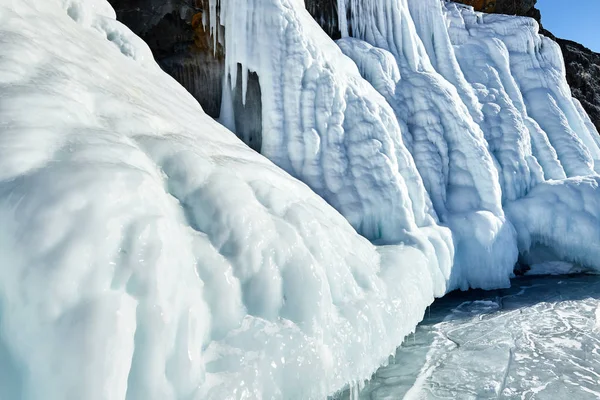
pixel 517 7
pixel 326 13
pixel 183 48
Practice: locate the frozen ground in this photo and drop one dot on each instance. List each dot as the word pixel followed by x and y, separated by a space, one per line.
pixel 540 339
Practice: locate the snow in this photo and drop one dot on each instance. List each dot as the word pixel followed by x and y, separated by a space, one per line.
pixel 147 253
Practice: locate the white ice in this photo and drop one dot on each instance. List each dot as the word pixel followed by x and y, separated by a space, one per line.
pixel 537 67
pixel 447 144
pixel 147 253
pixel 560 220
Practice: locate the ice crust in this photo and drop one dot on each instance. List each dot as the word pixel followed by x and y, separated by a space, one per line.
pixel 147 253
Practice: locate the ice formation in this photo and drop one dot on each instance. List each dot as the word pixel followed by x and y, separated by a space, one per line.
pixel 562 219
pixel 448 146
pixel 537 67
pixel 147 253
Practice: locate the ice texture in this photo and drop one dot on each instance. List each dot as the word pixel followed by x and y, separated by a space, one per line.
pixel 537 67
pixel 147 253
pixel 563 217
pixel 448 146
pixel 539 339
pixel 326 125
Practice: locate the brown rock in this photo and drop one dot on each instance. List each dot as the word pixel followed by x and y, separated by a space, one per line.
pixel 325 12
pixel 480 5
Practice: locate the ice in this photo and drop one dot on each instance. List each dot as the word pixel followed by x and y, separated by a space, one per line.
pixel 587 121
pixel 559 220
pixel 147 253
pixel 554 268
pixel 328 127
pixel 493 59
pixel 447 144
pixel 485 63
pixel 323 123
pixel 537 67
pixel 538 339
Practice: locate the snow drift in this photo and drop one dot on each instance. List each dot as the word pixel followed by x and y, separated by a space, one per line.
pixel 147 253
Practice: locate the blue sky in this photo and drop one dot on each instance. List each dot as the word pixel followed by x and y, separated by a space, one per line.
pixel 577 20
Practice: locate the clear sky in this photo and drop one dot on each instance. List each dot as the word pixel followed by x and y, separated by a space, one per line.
pixel 577 20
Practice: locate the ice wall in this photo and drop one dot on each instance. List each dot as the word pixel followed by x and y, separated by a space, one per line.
pixel 519 78
pixel 321 121
pixel 484 65
pixel 509 78
pixel 560 220
pixel 324 124
pixel 147 253
pixel 537 67
pixel 448 145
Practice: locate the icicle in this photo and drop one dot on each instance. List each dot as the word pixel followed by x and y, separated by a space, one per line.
pixel 244 84
pixel 343 17
pixel 227 115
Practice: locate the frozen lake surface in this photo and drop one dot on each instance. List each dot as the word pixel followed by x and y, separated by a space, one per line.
pixel 539 339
